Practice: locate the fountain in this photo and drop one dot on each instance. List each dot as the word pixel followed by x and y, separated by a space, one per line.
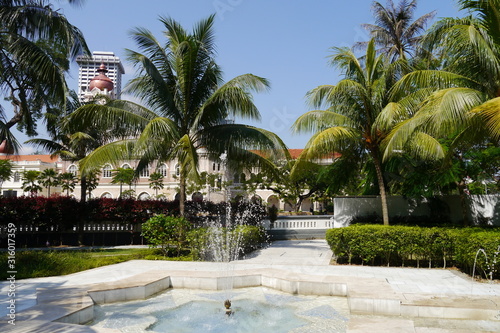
pixel 258 309
pixel 490 266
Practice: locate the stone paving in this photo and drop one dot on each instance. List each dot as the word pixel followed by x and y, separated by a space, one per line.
pixel 415 300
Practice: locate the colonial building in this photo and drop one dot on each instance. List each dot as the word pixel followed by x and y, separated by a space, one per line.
pixel 141 189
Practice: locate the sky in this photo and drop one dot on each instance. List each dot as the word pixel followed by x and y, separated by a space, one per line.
pixel 286 42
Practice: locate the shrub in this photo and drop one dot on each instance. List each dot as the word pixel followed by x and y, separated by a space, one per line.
pixel 394 245
pixel 167 232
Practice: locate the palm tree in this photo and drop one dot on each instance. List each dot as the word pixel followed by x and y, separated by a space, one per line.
pixel 67 181
pixel 462 107
pixel 355 105
pixel 123 176
pixel 30 179
pixel 189 107
pixel 395 32
pixel 35 43
pixel 48 178
pixel 156 182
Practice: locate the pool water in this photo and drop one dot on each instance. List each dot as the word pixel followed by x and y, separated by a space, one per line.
pixel 254 310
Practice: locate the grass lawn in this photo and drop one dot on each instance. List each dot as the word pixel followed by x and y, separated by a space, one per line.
pixel 31 264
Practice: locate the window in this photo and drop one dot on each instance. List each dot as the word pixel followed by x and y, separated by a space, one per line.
pixel 163 170
pixel 177 170
pixel 73 169
pixel 144 172
pixel 17 177
pixel 106 171
pixel 126 166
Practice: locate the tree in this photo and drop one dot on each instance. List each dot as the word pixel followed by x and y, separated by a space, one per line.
pixel 190 107
pixel 462 105
pixel 30 182
pixel 394 31
pixel 5 171
pixel 68 182
pixel 292 181
pixel 355 104
pixel 48 178
pixel 156 182
pixel 35 44
pixel 123 176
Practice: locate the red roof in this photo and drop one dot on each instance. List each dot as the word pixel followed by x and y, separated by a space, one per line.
pixel 18 158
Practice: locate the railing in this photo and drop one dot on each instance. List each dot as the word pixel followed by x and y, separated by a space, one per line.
pixel 88 227
pixel 301 222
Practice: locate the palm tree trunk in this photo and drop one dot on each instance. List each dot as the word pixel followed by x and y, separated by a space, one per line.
pixel 83 208
pixel 182 194
pixel 464 202
pixel 381 185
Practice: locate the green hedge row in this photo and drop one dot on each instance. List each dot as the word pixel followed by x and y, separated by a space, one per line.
pixel 419 246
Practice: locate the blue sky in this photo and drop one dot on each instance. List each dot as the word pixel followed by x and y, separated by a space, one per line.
pixel 286 42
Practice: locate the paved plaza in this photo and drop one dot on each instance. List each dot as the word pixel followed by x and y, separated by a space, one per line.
pixel 428 293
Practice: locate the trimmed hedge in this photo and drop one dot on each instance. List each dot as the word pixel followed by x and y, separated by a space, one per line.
pixel 417 246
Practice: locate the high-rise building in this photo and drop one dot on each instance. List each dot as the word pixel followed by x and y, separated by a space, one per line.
pixel 89 69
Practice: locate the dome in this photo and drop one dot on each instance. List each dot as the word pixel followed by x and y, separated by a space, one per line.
pixel 101 81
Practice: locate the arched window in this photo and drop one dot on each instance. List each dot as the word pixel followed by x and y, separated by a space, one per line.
pixel 213 166
pixel 73 169
pixel 126 166
pixel 163 169
pixel 144 196
pixel 144 172
pixel 106 171
pixel 106 195
pixel 197 197
pixel 177 170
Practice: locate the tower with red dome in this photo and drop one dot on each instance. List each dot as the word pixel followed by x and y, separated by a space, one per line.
pixel 100 74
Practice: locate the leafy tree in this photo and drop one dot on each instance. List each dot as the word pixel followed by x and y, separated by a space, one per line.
pixel 123 176
pixel 292 181
pixel 30 182
pixel 190 106
pixel 395 32
pixel 350 124
pixel 48 178
pixel 5 171
pixel 156 182
pixel 36 42
pixel 68 182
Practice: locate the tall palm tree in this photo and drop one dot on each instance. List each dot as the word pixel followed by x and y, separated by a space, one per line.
pixel 395 32
pixel 463 104
pixel 67 181
pixel 189 106
pixel 30 182
pixel 355 105
pixel 48 178
pixel 35 43
pixel 123 176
